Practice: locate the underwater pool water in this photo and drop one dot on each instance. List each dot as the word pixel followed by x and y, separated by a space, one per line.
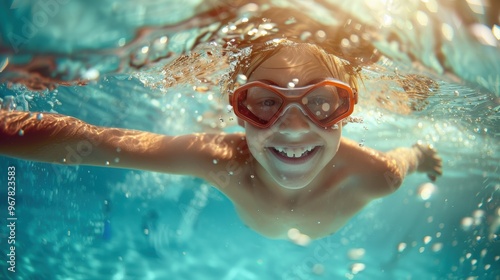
pixel 156 66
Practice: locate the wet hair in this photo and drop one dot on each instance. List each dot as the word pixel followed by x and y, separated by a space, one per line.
pixel 247 63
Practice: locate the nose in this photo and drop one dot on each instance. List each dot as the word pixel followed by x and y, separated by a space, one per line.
pixel 293 122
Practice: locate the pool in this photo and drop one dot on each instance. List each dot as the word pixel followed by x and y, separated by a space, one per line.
pixel 116 64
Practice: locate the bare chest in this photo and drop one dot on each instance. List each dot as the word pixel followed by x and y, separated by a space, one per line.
pixel 315 216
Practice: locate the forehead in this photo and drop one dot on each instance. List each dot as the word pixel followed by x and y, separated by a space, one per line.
pixel 288 64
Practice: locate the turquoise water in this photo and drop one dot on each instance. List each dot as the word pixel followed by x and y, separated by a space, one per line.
pixel 114 64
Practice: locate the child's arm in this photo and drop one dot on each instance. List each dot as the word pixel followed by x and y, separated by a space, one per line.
pixel 382 173
pixel 67 140
pixel 421 158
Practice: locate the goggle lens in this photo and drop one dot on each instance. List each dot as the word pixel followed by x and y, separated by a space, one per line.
pixel 262 104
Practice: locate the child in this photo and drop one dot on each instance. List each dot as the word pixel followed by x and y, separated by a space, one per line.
pixel 291 171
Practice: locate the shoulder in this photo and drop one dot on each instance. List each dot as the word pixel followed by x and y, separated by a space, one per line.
pixel 374 172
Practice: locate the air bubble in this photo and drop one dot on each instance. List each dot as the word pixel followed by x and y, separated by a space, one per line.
pixel 140 56
pixel 401 247
pixel 356 254
pixel 121 42
pixel 427 239
pixel 91 74
pixel 426 191
pixel 357 268
pixel 437 247
pixel 467 223
pixel 318 269
pixel 21 132
pixel 290 85
pixel 290 20
pixel 320 35
pixel 241 79
pixel 200 89
pixel 215 161
pixel 362 143
pixel 39 116
pixel 305 35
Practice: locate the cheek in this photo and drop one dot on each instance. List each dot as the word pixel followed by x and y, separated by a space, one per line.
pixel 253 137
pixel 333 138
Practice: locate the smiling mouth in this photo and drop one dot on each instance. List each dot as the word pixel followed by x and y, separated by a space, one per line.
pixel 294 155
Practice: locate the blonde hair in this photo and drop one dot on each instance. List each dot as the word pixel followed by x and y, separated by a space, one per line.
pixel 246 64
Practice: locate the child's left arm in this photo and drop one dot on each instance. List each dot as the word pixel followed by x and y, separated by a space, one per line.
pixel 421 158
pixel 381 173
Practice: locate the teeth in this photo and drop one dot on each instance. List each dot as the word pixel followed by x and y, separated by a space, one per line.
pixel 294 152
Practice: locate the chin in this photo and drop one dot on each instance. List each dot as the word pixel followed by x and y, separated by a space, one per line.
pixel 294 182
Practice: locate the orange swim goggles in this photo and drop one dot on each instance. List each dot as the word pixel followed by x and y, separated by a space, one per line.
pixel 325 103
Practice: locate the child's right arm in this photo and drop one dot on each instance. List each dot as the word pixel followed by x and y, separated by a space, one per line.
pixel 67 140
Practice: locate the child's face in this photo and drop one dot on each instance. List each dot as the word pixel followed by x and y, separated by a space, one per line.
pixel 294 151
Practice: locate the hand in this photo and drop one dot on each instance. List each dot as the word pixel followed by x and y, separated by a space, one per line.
pixel 429 161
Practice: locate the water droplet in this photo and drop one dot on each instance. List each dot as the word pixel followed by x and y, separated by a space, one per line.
pixel 231 173
pixel 252 176
pixel 107 162
pixel 21 132
pixel 290 85
pixel 39 116
pixel 215 161
pixel 117 160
